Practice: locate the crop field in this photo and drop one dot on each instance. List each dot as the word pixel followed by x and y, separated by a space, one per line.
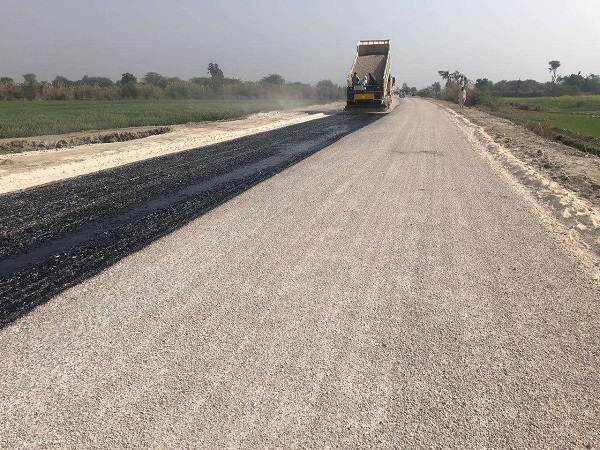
pixel 36 118
pixel 573 120
pixel 574 116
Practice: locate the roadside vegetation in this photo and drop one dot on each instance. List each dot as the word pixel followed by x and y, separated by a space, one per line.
pixel 573 120
pixel 156 86
pixel 25 119
pixel 565 109
pixel 32 108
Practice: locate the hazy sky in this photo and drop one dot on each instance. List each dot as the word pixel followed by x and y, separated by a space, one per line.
pixel 301 40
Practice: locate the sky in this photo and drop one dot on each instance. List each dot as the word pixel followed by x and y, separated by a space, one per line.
pixel 301 40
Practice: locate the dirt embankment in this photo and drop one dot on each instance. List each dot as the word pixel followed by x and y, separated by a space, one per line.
pixel 573 169
pixel 23 169
pixel 563 180
pixel 19 145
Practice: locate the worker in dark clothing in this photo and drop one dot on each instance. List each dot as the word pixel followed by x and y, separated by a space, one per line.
pixel 355 79
pixel 372 80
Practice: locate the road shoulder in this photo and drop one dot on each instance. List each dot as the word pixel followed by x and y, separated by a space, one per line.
pixel 563 181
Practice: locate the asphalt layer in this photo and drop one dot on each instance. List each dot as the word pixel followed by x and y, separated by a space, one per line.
pixel 56 235
pixel 392 290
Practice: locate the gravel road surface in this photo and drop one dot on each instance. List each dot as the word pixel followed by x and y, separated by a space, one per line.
pixel 56 235
pixel 390 289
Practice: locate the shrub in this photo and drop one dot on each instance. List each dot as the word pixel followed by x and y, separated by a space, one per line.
pixel 178 89
pixel 450 93
pixel 203 81
pixel 96 81
pixel 273 79
pixel 10 91
pixel 155 85
pixel 155 79
pixel 129 90
pixel 327 91
pixel 148 91
pixel 477 97
pixel 540 129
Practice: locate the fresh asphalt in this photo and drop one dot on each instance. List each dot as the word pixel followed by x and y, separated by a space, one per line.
pixel 56 235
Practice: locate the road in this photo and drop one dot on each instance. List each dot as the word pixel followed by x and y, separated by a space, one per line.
pixel 381 286
pixel 56 235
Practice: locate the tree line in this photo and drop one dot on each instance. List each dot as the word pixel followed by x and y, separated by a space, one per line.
pixel 406 90
pixel 156 86
pixel 482 88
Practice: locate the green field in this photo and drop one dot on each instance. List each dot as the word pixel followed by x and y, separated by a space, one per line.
pixel 578 117
pixel 35 118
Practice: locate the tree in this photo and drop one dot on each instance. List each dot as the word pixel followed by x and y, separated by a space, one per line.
pixel 6 80
pixel 405 90
pixel 30 78
pixel 155 79
pixel 129 87
pixel 326 90
pixel 436 88
pixel 456 75
pixel 445 74
pixel 30 85
pixel 576 81
pixel 274 79
pixel 554 65
pixel 61 81
pixel 215 71
pixel 483 84
pixel 459 77
pixel 96 81
pixel 592 84
pixel 128 78
pixel 216 76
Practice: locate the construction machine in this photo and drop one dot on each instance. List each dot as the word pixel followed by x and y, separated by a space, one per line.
pixel 370 81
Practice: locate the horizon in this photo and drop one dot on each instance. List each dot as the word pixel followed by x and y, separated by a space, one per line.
pixel 293 39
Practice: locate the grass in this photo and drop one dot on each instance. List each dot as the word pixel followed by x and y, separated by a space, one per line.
pixel 577 115
pixel 574 120
pixel 581 103
pixel 36 118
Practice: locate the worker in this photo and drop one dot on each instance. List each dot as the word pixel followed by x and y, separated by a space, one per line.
pixel 462 95
pixel 372 79
pixel 365 81
pixel 355 79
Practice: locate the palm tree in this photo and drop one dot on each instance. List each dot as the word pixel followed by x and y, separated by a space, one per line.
pixel 554 65
pixel 445 74
pixel 456 76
